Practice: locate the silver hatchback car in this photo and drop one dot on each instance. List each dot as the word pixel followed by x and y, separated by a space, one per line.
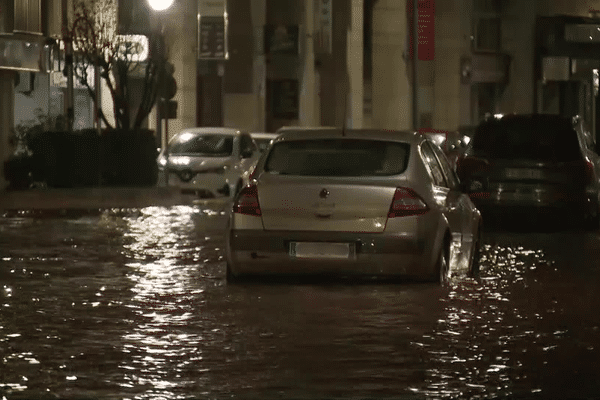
pixel 352 202
pixel 208 162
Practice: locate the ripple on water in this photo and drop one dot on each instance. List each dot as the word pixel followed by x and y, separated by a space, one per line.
pixel 132 304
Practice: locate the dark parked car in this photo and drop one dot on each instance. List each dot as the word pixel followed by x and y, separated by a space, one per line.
pixel 452 143
pixel 533 163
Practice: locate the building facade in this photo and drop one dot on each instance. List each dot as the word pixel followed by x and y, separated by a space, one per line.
pixel 262 64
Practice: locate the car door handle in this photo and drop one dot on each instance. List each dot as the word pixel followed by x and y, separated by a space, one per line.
pixel 323 216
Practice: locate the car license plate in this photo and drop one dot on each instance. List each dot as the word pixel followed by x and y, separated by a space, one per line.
pixel 523 173
pixel 321 250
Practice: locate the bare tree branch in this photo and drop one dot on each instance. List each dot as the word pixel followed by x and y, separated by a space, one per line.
pixel 93 31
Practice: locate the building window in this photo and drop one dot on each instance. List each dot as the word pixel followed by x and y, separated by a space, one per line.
pixel 485 99
pixel 487 34
pixel 28 16
pixel 487 6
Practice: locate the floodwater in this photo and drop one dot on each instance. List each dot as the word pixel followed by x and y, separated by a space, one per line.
pixel 134 304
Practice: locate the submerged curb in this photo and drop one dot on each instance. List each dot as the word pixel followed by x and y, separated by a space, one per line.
pixel 88 200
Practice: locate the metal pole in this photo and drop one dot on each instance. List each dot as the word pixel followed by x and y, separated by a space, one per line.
pixel 161 108
pixel 161 134
pixel 68 66
pixel 415 56
pixel 98 86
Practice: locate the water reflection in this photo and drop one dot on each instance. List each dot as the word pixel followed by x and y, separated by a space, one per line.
pixel 161 349
pixel 491 336
pixel 133 304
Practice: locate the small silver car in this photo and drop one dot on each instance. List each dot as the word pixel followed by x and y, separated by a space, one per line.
pixel 208 162
pixel 352 202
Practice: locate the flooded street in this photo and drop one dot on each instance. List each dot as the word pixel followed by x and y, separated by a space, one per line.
pixel 134 304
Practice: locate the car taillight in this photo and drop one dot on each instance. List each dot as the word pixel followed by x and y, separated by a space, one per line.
pixel 589 172
pixel 468 165
pixel 407 202
pixel 247 202
pixel 253 174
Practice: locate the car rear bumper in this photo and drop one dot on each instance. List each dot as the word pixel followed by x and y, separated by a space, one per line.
pixel 535 201
pixel 259 252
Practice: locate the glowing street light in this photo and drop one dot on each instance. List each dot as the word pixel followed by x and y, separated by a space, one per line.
pixel 160 5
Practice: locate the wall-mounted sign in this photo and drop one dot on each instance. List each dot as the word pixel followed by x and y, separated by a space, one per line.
pixel 212 38
pixel 425 29
pixel 281 39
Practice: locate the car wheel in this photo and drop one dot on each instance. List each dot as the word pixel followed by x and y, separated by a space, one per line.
pixel 441 270
pixel 591 222
pixel 230 277
pixel 476 254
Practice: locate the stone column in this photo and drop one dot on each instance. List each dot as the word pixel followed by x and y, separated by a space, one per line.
pixel 180 25
pixel 518 40
pixel 308 91
pixel 391 90
pixel 452 41
pixel 354 62
pixel 259 19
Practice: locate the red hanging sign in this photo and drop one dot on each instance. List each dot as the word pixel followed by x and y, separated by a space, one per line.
pixel 425 29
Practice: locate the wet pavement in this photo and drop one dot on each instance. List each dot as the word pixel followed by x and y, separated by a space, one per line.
pixel 133 303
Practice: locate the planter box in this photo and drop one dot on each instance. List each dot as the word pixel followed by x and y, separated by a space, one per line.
pixel 86 159
pixel 128 158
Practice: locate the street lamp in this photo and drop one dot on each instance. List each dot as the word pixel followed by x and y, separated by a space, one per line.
pixel 160 5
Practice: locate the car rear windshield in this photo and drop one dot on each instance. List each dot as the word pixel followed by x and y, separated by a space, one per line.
pixel 543 139
pixel 338 157
pixel 210 145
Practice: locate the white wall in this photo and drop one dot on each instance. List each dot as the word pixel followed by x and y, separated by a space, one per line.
pixel 240 111
pixel 391 91
pixel 451 42
pixel 25 104
pixel 518 40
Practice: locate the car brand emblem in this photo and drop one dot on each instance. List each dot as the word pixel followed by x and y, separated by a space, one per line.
pixel 324 193
pixel 186 175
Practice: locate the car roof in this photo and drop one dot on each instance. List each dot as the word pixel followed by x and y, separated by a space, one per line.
pixel 529 117
pixel 213 130
pixel 411 137
pixel 303 128
pixel 263 135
